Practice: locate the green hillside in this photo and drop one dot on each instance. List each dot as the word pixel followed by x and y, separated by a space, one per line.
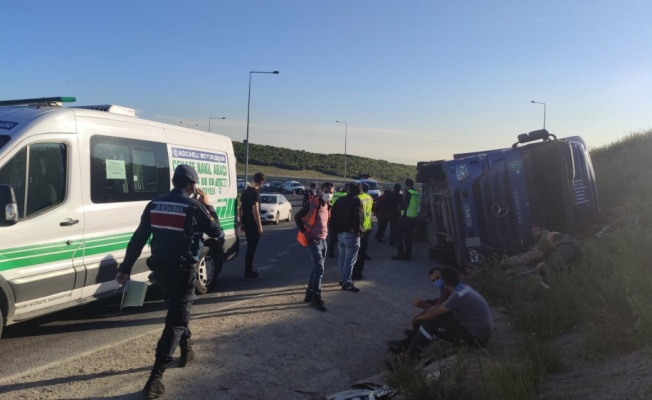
pixel 293 161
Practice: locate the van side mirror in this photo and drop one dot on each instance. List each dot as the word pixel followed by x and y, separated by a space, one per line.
pixel 8 206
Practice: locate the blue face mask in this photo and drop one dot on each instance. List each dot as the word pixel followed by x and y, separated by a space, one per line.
pixel 438 283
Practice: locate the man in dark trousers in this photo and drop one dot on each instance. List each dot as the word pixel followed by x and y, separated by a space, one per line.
pixel 464 318
pixel 346 220
pixel 398 346
pixel 177 224
pixel 250 223
pixel 367 206
pixel 382 212
pixel 409 212
pixel 394 213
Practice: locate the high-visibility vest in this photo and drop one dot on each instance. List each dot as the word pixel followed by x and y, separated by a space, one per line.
pixel 367 205
pixel 309 220
pixel 336 196
pixel 415 202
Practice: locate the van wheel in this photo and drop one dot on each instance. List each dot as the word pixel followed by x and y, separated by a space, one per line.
pixel 277 219
pixel 208 268
pixel 2 321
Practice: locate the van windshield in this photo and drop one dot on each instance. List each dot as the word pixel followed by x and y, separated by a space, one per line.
pixel 372 185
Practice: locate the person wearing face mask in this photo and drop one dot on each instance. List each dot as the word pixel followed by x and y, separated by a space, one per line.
pixel 177 224
pixel 424 304
pixel 312 221
pixel 463 319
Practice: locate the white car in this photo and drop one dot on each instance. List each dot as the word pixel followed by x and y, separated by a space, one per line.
pixel 275 207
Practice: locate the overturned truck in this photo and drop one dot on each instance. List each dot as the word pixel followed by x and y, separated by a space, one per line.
pixel 484 203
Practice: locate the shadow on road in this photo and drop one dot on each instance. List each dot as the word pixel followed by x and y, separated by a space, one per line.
pixel 68 380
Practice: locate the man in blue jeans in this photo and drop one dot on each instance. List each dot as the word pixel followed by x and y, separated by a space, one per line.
pixel 312 221
pixel 347 221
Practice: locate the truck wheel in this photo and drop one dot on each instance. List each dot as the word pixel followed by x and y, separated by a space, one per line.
pixel 208 268
pixel 277 219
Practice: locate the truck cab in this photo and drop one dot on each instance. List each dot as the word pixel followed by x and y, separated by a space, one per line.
pixel 484 203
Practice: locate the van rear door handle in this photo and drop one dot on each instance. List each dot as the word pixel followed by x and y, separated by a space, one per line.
pixel 69 222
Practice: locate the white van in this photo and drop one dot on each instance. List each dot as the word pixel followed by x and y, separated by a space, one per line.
pixel 374 189
pixel 73 184
pixel 293 187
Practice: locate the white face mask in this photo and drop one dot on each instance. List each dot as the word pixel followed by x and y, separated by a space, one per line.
pixel 327 196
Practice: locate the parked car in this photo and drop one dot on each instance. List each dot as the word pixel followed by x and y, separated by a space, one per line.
pixel 293 187
pixel 276 186
pixel 241 184
pixel 274 208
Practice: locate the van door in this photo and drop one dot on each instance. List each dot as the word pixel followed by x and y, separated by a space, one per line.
pixel 41 255
pixel 121 174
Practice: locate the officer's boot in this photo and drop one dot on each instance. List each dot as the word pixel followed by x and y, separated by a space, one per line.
pixel 154 387
pixel 187 353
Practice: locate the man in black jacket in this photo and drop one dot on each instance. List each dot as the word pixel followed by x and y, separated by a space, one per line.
pixel 177 224
pixel 346 220
pixel 394 212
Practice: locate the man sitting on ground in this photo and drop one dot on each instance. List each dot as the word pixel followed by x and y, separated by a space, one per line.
pixel 397 346
pixel 469 322
pixel 566 252
pixel 539 252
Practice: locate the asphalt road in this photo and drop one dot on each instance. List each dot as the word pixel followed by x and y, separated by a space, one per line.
pixel 259 329
pixel 42 341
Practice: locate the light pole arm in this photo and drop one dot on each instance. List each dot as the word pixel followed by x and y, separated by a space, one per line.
pixel 544 111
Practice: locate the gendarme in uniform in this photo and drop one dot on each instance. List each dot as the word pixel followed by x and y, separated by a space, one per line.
pixel 176 223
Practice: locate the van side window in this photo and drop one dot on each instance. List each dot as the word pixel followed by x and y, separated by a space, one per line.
pixel 38 175
pixel 127 169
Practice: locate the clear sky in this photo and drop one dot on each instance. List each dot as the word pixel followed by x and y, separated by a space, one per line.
pixel 415 80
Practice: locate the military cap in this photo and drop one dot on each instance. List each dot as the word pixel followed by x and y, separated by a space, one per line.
pixel 187 172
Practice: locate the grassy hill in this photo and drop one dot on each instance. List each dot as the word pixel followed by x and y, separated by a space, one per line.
pixel 281 162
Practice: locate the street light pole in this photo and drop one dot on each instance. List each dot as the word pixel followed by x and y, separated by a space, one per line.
pixel 248 107
pixel 209 121
pixel 346 128
pixel 544 112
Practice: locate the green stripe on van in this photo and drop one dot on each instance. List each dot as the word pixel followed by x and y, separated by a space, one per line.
pixel 26 256
pixel 39 254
